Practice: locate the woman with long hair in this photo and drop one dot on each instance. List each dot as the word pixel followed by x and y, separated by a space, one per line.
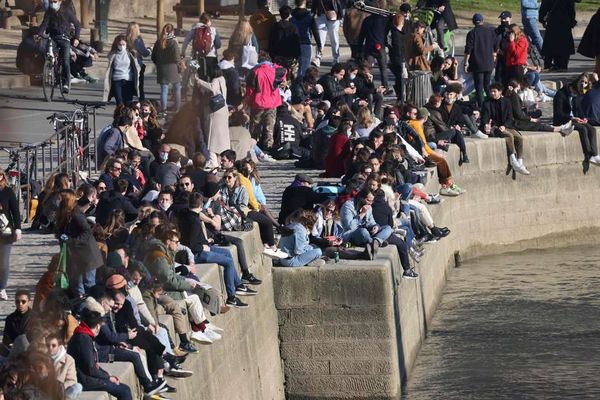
pixel 154 132
pixel 365 122
pixel 83 255
pixel 242 35
pixel 165 54
pixel 9 208
pixel 52 199
pixel 122 75
pixel 136 43
pixel 117 230
pixel 516 55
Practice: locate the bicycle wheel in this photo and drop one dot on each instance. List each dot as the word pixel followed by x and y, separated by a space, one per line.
pixel 48 80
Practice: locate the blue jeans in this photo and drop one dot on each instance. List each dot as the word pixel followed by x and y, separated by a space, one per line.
pixel 410 234
pixel 164 95
pixel 121 392
pixel 222 256
pixel 5 246
pixel 81 283
pixel 73 391
pixel 362 236
pixel 530 25
pixel 123 91
pixel 304 61
pixel 302 259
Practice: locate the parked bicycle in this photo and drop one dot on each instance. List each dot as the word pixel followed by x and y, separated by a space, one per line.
pixel 21 180
pixel 70 132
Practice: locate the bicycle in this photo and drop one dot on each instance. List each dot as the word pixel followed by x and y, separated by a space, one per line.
pixel 21 181
pixel 87 108
pixel 69 129
pixel 52 73
pixel 429 17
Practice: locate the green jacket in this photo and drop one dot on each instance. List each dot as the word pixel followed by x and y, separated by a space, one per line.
pixel 159 261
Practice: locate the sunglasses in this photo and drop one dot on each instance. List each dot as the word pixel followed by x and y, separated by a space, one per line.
pixel 182 184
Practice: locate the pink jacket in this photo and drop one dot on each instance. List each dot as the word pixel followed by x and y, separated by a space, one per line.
pixel 261 91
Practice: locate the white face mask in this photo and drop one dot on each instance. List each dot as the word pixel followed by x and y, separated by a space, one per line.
pixel 165 206
pixel 54 6
pixel 450 100
pixel 122 48
pixel 352 76
pixel 178 163
pixel 164 156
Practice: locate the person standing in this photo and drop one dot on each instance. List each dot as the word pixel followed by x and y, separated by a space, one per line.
pixel 373 34
pixel 206 42
pixel 353 19
pixel 284 42
pixel 328 14
pixel 480 53
pixel 262 22
pixel 558 16
pixel 136 42
pixel 529 16
pixel 515 54
pixel 590 41
pixel 416 51
pixel 307 27
pixel 165 55
pixel 9 208
pixel 445 19
pixel 122 75
pixel 502 32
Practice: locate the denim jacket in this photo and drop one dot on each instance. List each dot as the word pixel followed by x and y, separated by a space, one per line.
pixel 352 221
pixel 298 243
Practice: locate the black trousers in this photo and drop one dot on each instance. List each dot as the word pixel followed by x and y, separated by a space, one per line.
pixel 587 137
pixel 402 248
pixel 399 84
pixel 265 227
pixel 141 82
pixel 559 62
pixel 136 360
pixel 154 349
pixel 381 58
pixel 453 136
pixel 482 84
pixel 123 91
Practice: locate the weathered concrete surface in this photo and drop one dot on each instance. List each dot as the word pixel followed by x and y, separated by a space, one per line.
pixel 550 208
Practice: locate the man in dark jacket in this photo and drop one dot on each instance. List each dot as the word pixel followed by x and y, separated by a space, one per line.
pixel 373 33
pixel 299 195
pixel 82 348
pixel 558 16
pixel 480 52
pixel 15 322
pixel 288 135
pixel 57 23
pixel 111 138
pixel 502 32
pixel 590 41
pixel 331 83
pixel 444 19
pixel 115 199
pixel 497 120
pixel 284 41
pixel 367 91
pixel 307 26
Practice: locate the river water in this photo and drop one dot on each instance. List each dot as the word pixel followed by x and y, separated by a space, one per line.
pixel 515 326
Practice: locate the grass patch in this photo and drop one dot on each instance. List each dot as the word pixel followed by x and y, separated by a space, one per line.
pixel 512 5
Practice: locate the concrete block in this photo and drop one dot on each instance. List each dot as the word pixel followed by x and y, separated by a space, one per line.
pixel 382 367
pixel 354 331
pixel 296 287
pixel 305 316
pixel 349 367
pixel 352 349
pixel 296 350
pixel 319 332
pixel 126 374
pixel 344 386
pixel 356 284
pixel 94 396
pixel 306 367
pixel 336 315
pixel 253 247
pixel 211 274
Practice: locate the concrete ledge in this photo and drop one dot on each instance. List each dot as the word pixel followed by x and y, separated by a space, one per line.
pixel 126 374
pixel 94 396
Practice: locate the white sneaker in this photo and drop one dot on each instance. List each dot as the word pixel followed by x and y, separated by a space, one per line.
pixel 275 253
pixel 566 129
pixel 544 98
pixel 3 295
pixel 201 338
pixel 215 328
pixel 480 135
pixel 267 158
pixel 449 192
pixel 212 335
pixel 594 160
pixel 77 81
pixel 317 62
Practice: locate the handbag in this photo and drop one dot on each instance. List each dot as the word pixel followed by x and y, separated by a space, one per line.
pixel 249 55
pixel 61 281
pixel 217 101
pixel 5 229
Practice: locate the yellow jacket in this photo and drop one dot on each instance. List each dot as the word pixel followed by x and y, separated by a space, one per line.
pixel 252 202
pixel 418 127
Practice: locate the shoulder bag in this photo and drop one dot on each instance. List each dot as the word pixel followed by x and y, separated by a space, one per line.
pixel 217 101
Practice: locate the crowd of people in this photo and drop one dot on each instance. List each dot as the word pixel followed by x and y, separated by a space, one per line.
pixel 178 177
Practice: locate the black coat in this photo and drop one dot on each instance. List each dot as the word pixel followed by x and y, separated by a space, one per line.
pixel 332 89
pixel 83 254
pixel 9 206
pixel 373 32
pixel 559 18
pixel 83 350
pixel 284 40
pixel 112 200
pixel 562 108
pixel 481 45
pixel 14 326
pixel 192 234
pixel 590 41
pixel 319 7
pixel 298 197
pixel 499 111
pixel 108 338
pixel 397 46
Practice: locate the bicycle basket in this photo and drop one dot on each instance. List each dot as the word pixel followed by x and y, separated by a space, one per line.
pixel 425 15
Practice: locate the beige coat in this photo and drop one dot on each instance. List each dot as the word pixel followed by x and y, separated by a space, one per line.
pixel 215 125
pixel 65 371
pixel 108 94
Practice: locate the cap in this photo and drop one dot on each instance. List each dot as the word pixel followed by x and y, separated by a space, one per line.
pixel 211 189
pixel 423 112
pixel 405 7
pixel 116 281
pixel 505 14
pixel 304 178
pixel 477 18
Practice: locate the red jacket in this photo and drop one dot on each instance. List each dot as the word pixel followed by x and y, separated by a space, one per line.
pixel 516 52
pixel 336 155
pixel 261 91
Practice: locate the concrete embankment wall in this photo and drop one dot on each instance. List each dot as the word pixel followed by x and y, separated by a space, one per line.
pixel 353 330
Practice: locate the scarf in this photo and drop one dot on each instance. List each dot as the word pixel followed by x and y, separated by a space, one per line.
pixel 60 354
pixel 224 64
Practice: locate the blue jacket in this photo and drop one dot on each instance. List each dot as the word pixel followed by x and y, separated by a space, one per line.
pixel 141 50
pixel 108 338
pixel 352 221
pixel 298 243
pixel 529 8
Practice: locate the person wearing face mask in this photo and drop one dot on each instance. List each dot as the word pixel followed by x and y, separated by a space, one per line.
pixel 161 156
pixel 89 373
pixel 566 107
pixel 153 131
pixel 168 174
pixel 64 366
pixel 502 40
pixel 122 75
pixel 57 23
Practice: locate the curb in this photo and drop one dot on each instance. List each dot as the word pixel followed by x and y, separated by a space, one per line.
pixel 14 81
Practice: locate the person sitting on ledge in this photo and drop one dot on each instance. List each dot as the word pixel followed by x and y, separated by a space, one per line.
pixel 297 243
pixel 497 120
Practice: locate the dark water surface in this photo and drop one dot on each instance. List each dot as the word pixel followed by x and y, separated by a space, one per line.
pixel 515 326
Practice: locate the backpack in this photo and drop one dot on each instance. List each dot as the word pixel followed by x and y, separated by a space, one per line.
pixel 202 40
